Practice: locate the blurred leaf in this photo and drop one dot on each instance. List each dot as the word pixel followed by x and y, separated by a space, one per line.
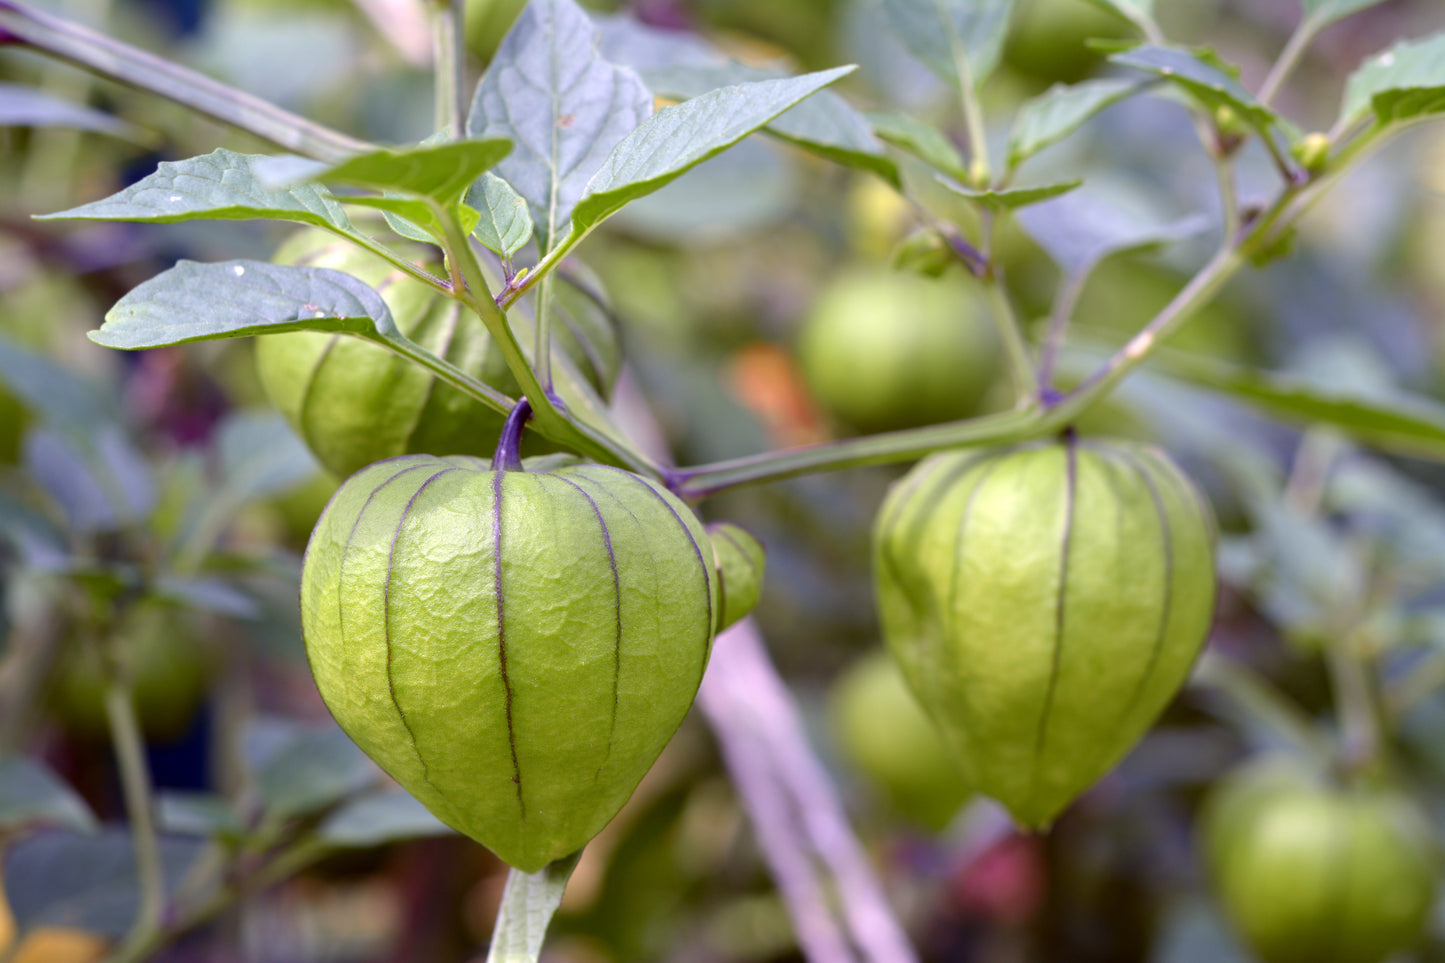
pixel 504 227
pixel 1192 932
pixel 1322 13
pixel 1083 228
pixel 825 124
pixel 384 817
pixel 1202 75
pixel 439 172
pixel 221 185
pixel 100 481
pixel 86 883
pixel 1405 83
pixel 922 140
pixel 312 771
pixel 260 455
pixel 1059 111
pixel 22 106
pixel 528 902
pixel 197 814
pixel 205 595
pixel 565 108
pixel 65 401
pixel 680 137
pixel 234 299
pixel 35 541
pixel 1013 197
pixel 956 39
pixel 1138 12
pixel 31 794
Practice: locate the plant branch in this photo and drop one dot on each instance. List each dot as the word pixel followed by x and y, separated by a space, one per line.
pixel 528 902
pixel 1289 57
pixel 1066 302
pixel 134 67
pixel 1010 332
pixel 450 65
pixel 135 782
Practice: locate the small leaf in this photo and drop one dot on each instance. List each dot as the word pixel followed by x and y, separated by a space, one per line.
pixel 384 817
pixel 956 39
pixel 97 477
pixel 31 536
pixel 22 106
pixel 63 399
pixel 680 137
pixel 89 883
pixel 922 140
pixel 565 108
pixel 1138 12
pixel 440 172
pixel 313 771
pixel 1405 83
pixel 1059 111
pixel 198 814
pixel 1322 13
pixel 221 185
pixel 1082 229
pixel 31 795
pixel 1013 197
pixel 233 299
pixel 528 902
pixel 259 456
pixel 1402 424
pixel 504 226
pixel 1203 76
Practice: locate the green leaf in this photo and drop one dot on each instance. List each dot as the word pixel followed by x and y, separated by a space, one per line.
pixel 66 401
pixel 825 124
pixel 221 185
pixel 384 817
pixel 1080 230
pixel 440 172
pixel 565 108
pixel 30 795
pixel 198 814
pixel 1059 111
pixel 1405 83
pixel 528 902
pixel 1203 76
pixel 22 106
pixel 924 141
pixel 504 226
pixel 1013 197
pixel 313 771
pixel 1402 424
pixel 415 219
pixel 1322 13
pixel 956 39
pixel 234 299
pixel 678 138
pixel 1138 12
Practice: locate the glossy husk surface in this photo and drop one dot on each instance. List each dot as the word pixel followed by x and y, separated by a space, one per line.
pixel 1313 874
pixel 1044 602
pixel 355 403
pixel 515 648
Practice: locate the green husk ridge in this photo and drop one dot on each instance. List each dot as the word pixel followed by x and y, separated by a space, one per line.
pixel 1044 602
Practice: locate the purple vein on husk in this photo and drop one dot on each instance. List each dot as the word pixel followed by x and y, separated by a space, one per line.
pixel 702 561
pixel 386 617
pixel 497 480
pixel 616 615
pixel 1070 493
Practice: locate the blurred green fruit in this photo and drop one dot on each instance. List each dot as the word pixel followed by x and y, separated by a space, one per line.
pixel 887 736
pixel 355 403
pixel 740 562
pixel 165 664
pixel 884 350
pixel 1313 874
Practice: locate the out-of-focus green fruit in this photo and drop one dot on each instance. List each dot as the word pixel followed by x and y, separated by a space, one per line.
pixel 1309 873
pixel 1049 40
pixel 885 350
pixel 355 403
pixel 887 736
pixel 165 664
pixel 1045 602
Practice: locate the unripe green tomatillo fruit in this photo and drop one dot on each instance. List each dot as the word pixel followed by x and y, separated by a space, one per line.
pixel 887 736
pixel 355 403
pixel 1045 602
pixel 1309 873
pixel 740 561
pixel 883 349
pixel 514 647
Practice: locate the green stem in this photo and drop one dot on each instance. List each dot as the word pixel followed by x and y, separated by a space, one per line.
pixel 1259 701
pixel 978 165
pixel 1361 742
pixel 528 902
pixel 448 372
pixel 1066 302
pixel 1010 332
pixel 1289 57
pixel 134 67
pixel 450 65
pixel 543 348
pixel 136 786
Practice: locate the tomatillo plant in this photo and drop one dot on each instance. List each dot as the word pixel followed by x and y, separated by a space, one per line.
pixel 516 642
